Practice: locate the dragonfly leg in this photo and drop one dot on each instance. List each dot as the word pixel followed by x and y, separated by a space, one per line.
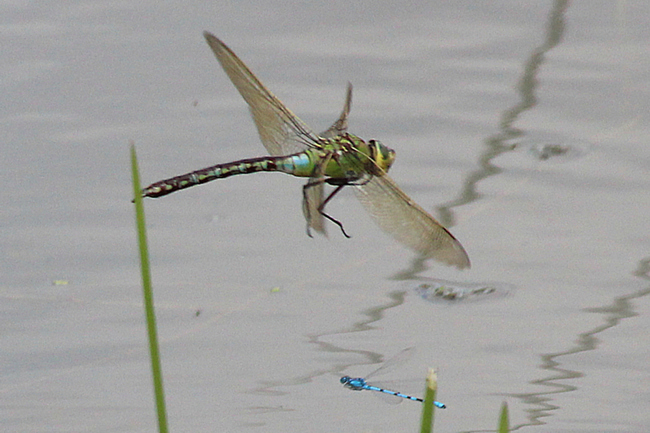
pixel 321 209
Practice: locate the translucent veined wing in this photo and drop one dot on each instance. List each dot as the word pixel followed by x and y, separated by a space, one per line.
pixel 399 216
pixel 314 195
pixel 340 127
pixel 392 363
pixel 281 132
pixel 311 202
pixel 392 385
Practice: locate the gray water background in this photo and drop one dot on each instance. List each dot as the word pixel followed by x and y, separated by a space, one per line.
pixel 257 321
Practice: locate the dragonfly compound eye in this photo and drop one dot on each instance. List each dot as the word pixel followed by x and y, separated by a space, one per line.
pixel 384 156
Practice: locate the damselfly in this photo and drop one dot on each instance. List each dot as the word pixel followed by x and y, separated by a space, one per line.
pixel 359 383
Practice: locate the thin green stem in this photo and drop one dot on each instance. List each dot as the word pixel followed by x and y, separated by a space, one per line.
pixel 428 409
pixel 503 426
pixel 148 296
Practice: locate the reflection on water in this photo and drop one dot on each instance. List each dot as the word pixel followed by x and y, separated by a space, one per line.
pixel 620 308
pixel 372 315
pixel 544 151
pixel 544 147
pixel 445 290
pixel 435 290
pixel 498 144
pixel 550 147
pixel 502 141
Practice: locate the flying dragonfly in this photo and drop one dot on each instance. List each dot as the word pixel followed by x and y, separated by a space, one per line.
pixel 334 157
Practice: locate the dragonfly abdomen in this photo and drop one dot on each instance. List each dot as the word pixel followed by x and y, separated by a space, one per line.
pixel 300 164
pixel 395 393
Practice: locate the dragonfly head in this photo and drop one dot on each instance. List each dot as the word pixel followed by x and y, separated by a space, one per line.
pixel 382 155
pixel 345 379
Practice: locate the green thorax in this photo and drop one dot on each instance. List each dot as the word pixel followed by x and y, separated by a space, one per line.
pixel 351 157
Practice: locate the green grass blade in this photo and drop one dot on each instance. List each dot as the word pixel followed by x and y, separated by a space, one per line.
pixel 428 408
pixel 504 425
pixel 148 296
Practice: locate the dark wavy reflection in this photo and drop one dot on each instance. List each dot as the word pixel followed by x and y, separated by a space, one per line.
pixel 372 315
pixel 497 144
pixel 621 307
pixel 494 146
pixel 500 142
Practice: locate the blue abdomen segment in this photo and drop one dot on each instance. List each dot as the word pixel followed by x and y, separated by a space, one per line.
pixel 301 164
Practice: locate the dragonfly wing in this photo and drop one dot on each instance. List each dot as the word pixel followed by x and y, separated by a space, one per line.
pixel 392 363
pixel 399 216
pixel 339 127
pixel 311 202
pixel 281 132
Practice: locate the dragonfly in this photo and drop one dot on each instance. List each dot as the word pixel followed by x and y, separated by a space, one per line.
pixel 333 157
pixel 359 383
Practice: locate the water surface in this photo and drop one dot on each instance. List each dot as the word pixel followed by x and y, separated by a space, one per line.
pixel 523 126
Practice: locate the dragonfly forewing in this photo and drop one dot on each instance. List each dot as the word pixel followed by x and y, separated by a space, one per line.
pixel 281 132
pixel 399 216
